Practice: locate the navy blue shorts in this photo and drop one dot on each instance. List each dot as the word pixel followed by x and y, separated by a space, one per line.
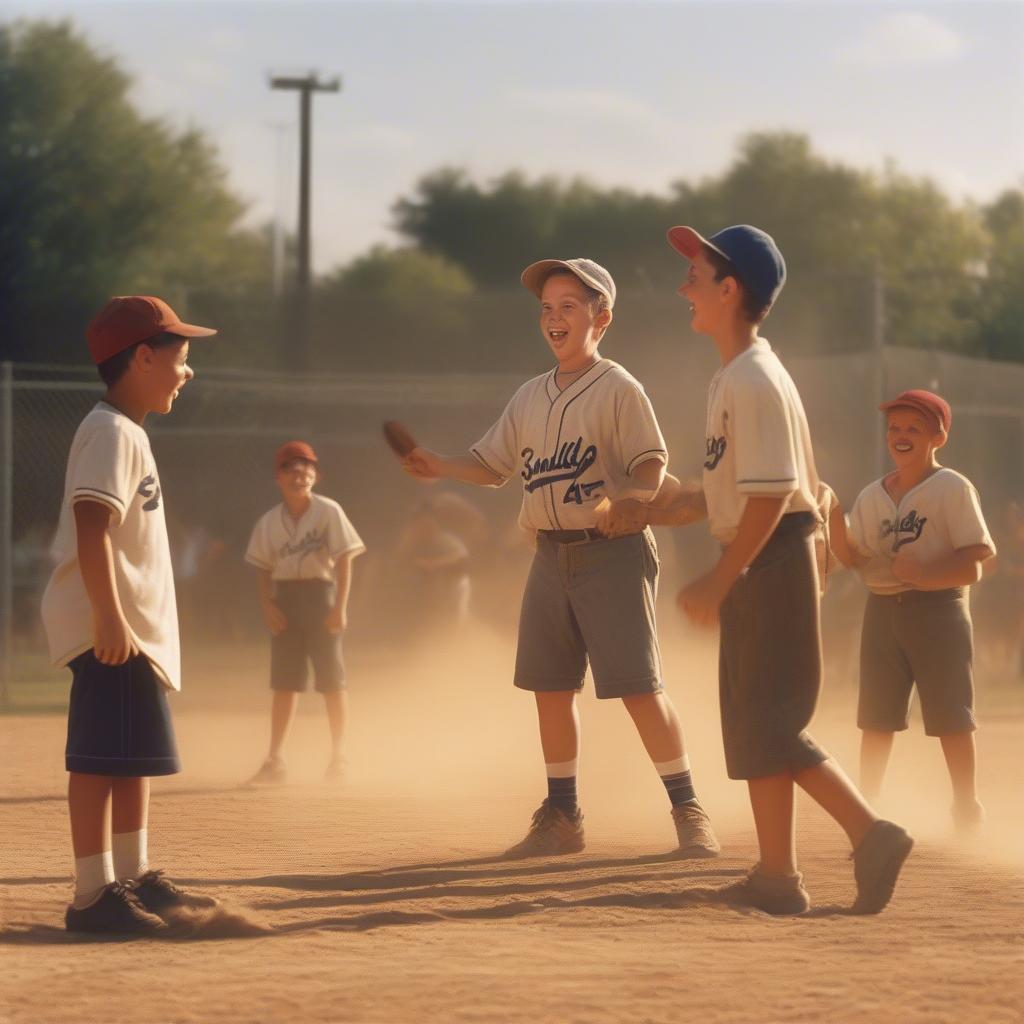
pixel 306 638
pixel 118 720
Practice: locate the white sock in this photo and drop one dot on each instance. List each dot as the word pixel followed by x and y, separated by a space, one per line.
pixel 561 769
pixel 676 767
pixel 92 875
pixel 131 858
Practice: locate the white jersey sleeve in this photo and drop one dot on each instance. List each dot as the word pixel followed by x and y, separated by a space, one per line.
pixel 966 523
pixel 765 449
pixel 498 449
pixel 108 468
pixel 260 551
pixel 637 434
pixel 342 538
pixel 856 521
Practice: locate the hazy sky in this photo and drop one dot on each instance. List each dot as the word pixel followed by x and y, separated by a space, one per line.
pixel 634 94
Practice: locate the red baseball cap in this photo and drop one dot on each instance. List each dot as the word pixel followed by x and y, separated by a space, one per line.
pixel 292 450
pixel 128 319
pixel 923 401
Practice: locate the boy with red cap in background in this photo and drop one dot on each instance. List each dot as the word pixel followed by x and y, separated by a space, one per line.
pixel 918 538
pixel 303 549
pixel 110 616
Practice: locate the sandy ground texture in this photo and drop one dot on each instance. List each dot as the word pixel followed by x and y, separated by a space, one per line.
pixel 380 899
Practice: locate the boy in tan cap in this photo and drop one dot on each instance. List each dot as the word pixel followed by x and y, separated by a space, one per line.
pixel 110 616
pixel 581 437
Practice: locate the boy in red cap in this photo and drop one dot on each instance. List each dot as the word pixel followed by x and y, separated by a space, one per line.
pixel 918 539
pixel 303 549
pixel 110 616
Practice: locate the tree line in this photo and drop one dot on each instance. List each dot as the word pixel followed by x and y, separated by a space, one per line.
pixel 97 199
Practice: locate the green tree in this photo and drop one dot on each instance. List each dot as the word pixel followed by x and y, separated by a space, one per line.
pixel 96 199
pixel 1001 288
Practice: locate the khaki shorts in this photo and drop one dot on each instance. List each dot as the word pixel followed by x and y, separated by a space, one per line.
pixel 769 666
pixel 921 637
pixel 591 599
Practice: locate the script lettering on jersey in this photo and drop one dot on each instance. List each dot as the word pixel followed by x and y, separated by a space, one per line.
pixel 715 451
pixel 150 489
pixel 311 540
pixel 569 462
pixel 905 530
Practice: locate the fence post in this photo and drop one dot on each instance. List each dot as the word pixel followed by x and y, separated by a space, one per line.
pixel 6 528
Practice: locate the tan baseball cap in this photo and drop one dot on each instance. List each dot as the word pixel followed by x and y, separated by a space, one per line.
pixel 590 273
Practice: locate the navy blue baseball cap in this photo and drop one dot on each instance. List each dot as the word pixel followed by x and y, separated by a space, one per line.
pixel 750 250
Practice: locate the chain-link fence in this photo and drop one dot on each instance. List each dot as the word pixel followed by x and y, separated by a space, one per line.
pixel 214 454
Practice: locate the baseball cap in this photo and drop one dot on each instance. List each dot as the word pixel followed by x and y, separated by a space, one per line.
pixel 128 319
pixel 292 450
pixel 922 401
pixel 750 250
pixel 590 273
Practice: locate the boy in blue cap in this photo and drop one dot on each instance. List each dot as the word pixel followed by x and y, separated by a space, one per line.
pixel 760 487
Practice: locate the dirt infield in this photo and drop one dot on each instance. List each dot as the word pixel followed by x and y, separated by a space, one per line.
pixel 381 900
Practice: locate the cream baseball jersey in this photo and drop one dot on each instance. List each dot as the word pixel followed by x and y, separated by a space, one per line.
pixel 758 442
pixel 573 447
pixel 303 549
pixel 932 520
pixel 111 463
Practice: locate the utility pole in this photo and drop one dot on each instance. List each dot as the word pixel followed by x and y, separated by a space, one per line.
pixel 305 86
pixel 878 329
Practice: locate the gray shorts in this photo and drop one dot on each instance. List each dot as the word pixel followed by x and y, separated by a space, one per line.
pixel 921 637
pixel 306 639
pixel 769 665
pixel 591 599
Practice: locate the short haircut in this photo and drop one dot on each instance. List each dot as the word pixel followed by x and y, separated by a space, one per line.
pixel 113 369
pixel 752 308
pixel 594 297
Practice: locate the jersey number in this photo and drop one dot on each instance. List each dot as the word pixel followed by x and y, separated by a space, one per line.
pixel 576 492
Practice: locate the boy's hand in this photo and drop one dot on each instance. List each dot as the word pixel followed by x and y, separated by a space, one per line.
pixel 423 464
pixel 701 600
pixel 907 569
pixel 275 619
pixel 621 517
pixel 337 620
pixel 112 640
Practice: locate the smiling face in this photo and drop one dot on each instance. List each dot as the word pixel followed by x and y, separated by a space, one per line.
pixel 570 321
pixel 912 438
pixel 296 479
pixel 166 373
pixel 710 301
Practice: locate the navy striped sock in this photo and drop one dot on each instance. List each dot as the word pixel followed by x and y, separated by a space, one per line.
pixel 562 794
pixel 679 786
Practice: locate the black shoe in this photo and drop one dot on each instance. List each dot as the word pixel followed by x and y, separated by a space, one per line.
pixel 159 894
pixel 117 912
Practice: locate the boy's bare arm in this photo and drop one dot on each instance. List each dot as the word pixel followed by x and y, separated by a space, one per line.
pixel 702 599
pixel 677 503
pixel 674 504
pixel 425 464
pixel 959 569
pixel 112 638
pixel 337 617
pixel 272 615
pixel 839 538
